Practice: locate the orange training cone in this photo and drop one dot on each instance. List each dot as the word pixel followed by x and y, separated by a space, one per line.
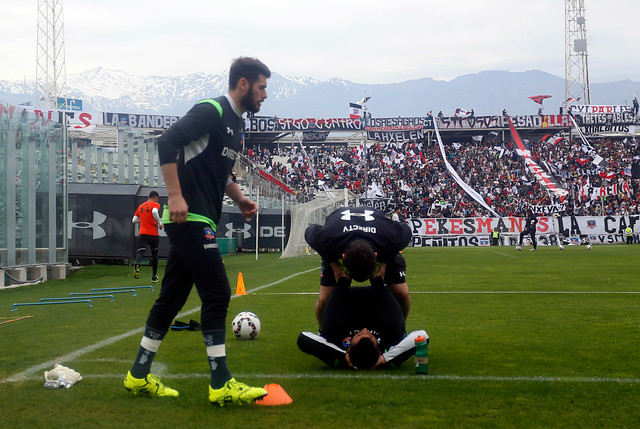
pixel 240 288
pixel 275 396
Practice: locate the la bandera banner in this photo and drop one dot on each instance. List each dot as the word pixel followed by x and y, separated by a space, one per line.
pixel 475 231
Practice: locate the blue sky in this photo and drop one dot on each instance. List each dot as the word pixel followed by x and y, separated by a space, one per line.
pixel 361 41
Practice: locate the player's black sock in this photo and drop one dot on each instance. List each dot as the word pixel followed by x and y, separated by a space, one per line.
pixel 146 352
pixel 214 340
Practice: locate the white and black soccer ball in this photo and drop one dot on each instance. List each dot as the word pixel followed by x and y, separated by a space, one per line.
pixel 518 247
pixel 245 325
pixel 588 247
pixel 561 246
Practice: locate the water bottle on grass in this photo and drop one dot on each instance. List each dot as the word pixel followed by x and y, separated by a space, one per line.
pixel 422 355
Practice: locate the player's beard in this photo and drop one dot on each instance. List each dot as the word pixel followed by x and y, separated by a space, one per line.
pixel 249 104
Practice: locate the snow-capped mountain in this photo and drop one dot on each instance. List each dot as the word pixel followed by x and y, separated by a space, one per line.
pixel 486 92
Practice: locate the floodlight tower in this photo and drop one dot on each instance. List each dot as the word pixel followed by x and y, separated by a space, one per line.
pixel 51 74
pixel 576 69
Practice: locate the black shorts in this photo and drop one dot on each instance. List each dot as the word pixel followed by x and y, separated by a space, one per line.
pixel 150 241
pixel 194 258
pixel 395 273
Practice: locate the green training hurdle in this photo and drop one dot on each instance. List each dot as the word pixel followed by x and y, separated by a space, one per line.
pixel 75 301
pixel 90 296
pixel 120 288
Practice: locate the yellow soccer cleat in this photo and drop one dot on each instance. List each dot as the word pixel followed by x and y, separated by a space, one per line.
pixel 150 385
pixel 235 392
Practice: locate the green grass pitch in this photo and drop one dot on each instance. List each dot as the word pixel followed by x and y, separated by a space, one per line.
pixel 518 339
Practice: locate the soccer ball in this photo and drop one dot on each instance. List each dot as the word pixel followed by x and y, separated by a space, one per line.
pixel 245 326
pixel 518 248
pixel 588 247
pixel 560 246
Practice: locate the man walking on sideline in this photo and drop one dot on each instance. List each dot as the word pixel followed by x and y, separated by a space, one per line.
pixel 530 224
pixel 197 155
pixel 148 217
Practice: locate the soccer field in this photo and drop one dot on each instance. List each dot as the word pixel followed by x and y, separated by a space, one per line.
pixel 518 339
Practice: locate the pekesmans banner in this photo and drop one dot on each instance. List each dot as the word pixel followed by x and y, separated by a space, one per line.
pixel 428 232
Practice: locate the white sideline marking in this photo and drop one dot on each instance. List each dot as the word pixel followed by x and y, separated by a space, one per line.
pixel 76 354
pixel 377 376
pixel 504 254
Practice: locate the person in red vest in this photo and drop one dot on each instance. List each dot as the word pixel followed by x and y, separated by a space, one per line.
pixel 148 216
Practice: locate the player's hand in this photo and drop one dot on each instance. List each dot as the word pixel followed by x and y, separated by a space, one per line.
pixel 381 270
pixel 248 207
pixel 161 226
pixel 381 361
pixel 178 209
pixel 338 272
pixel 347 359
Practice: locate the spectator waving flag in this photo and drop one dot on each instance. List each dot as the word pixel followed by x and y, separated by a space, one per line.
pixel 539 98
pixel 462 112
pixel 355 110
pixel 583 161
pixel 553 140
pixel 586 146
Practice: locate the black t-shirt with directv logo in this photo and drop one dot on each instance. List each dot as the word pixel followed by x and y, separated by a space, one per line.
pixel 204 143
pixel 349 223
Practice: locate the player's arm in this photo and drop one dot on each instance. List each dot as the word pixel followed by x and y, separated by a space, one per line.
pixel 178 207
pixel 382 267
pixel 402 351
pixel 156 216
pixel 326 289
pixel 338 272
pixel 381 361
pixel 248 207
pixel 135 219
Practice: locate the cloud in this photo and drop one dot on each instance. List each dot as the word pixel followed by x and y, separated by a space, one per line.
pixel 362 41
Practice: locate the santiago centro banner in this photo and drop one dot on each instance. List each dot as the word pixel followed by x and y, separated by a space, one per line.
pixel 436 232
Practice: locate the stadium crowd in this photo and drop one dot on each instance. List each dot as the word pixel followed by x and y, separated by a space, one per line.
pixel 415 178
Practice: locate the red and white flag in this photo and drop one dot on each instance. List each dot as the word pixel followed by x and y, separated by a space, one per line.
pixel 555 139
pixel 355 111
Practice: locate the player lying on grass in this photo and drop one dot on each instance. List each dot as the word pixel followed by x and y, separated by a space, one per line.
pixel 363 327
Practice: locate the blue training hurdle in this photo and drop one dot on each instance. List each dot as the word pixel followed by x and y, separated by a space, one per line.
pixel 95 293
pixel 102 293
pixel 120 288
pixel 92 296
pixel 75 301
